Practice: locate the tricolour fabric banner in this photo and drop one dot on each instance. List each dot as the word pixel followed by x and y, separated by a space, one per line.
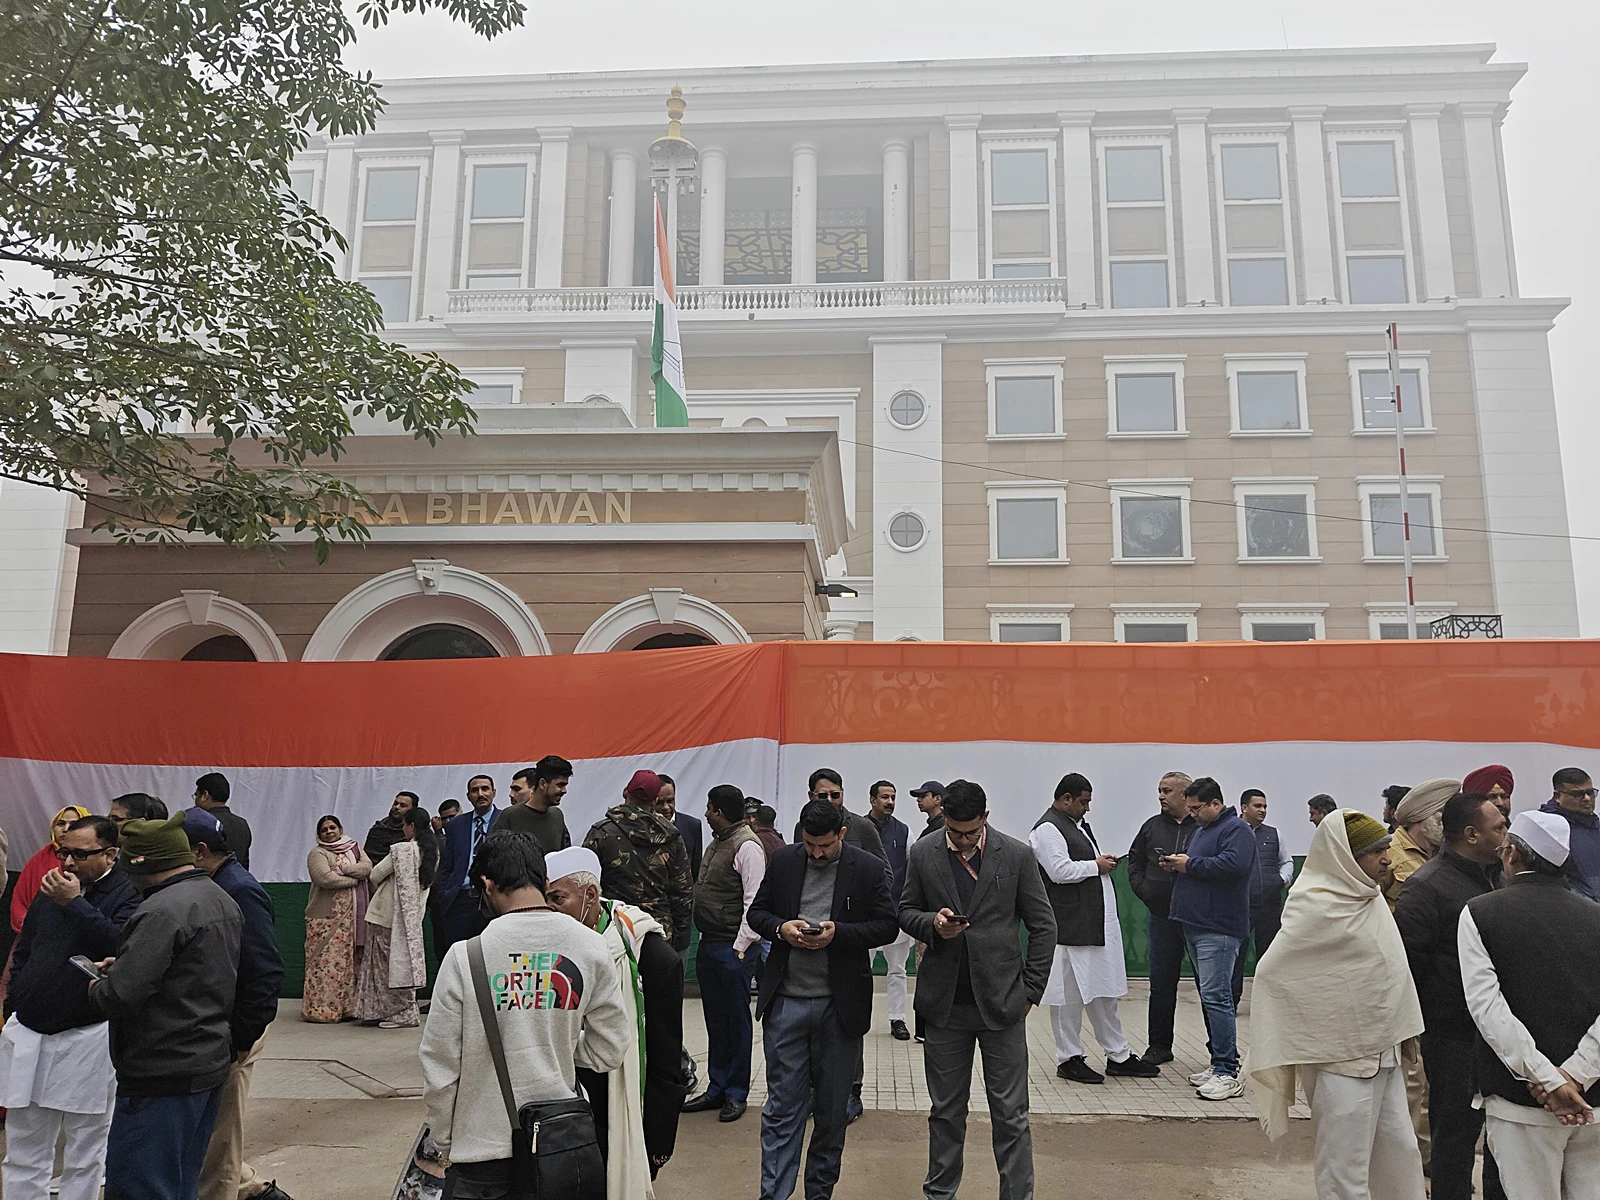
pixel 299 740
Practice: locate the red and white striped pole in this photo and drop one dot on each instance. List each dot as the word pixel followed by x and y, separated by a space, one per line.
pixel 1393 347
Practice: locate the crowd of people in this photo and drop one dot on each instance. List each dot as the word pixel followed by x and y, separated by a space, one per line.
pixel 1424 980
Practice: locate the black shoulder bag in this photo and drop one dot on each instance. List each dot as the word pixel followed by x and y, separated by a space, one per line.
pixel 555 1152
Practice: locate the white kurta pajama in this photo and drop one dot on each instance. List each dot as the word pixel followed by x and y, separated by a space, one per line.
pixel 1362 1103
pixel 55 1084
pixel 1091 978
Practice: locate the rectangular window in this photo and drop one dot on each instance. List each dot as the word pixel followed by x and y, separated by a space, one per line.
pixel 1027 524
pixel 491 393
pixel 1377 402
pixel 497 226
pixel 1282 631
pixel 1030 622
pixel 1025 405
pixel 1277 521
pixel 1269 401
pixel 1367 170
pixel 1372 219
pixel 1138 285
pixel 1282 623
pixel 1258 281
pixel 1021 237
pixel 388 238
pixel 1018 631
pixel 1388 531
pixel 1136 220
pixel 303 183
pixel 1155 622
pixel 1146 403
pixel 1378 280
pixel 1397 630
pixel 1153 632
pixel 1250 172
pixel 1135 173
pixel 1151 519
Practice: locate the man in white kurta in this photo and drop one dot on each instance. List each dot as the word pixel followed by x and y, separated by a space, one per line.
pixel 1090 977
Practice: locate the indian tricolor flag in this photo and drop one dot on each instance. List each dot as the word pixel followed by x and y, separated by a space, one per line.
pixel 666 351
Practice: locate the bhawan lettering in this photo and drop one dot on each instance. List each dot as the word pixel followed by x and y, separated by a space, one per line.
pixel 507 508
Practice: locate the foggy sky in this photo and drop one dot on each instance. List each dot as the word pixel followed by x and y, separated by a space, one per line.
pixel 1552 153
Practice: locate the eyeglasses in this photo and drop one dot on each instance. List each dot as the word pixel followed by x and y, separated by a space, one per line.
pixel 964 835
pixel 80 855
pixel 1580 793
pixel 828 795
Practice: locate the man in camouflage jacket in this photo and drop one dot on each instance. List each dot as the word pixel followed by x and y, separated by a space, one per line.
pixel 642 857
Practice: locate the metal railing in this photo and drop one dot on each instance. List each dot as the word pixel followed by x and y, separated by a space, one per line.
pixel 1468 625
pixel 766 298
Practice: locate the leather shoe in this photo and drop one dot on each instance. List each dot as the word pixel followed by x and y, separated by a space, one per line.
pixel 272 1192
pixel 704 1102
pixel 899 1032
pixel 732 1110
pixel 1132 1067
pixel 1156 1055
pixel 1076 1070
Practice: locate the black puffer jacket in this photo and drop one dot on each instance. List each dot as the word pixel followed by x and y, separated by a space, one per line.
pixel 1161 834
pixel 1428 912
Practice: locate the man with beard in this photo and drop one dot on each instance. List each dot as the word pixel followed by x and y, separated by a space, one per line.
pixel 386 832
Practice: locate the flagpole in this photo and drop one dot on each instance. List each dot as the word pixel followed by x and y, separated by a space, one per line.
pixel 1393 348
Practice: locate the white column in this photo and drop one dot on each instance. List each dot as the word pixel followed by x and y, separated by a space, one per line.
pixel 839 629
pixel 624 193
pixel 963 197
pixel 803 215
pixel 338 187
pixel 1438 263
pixel 1489 239
pixel 1077 198
pixel 550 237
pixel 1194 187
pixel 896 210
pixel 907 587
pixel 1311 195
pixel 439 254
pixel 713 215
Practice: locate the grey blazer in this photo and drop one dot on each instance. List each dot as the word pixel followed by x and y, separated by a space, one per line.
pixel 1009 891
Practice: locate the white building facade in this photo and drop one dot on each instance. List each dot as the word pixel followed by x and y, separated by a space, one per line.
pixel 1101 338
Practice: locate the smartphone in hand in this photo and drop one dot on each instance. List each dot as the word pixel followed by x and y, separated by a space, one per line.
pixel 86 966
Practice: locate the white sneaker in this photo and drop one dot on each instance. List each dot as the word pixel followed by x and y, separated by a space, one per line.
pixel 1200 1078
pixel 1221 1087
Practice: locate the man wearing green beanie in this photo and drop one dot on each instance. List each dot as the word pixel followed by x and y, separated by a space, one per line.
pixel 168 995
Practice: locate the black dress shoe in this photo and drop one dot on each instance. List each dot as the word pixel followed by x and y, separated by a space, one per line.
pixel 732 1110
pixel 704 1102
pixel 272 1192
pixel 853 1111
pixel 1156 1055
pixel 899 1032
pixel 1075 1070
pixel 1132 1067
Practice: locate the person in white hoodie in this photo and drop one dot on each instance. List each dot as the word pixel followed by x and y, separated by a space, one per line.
pixel 558 1005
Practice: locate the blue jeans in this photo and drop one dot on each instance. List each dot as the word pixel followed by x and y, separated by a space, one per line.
pixel 1213 955
pixel 157 1145
pixel 725 1000
pixel 810 1062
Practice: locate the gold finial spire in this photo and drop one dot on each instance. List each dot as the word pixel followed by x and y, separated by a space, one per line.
pixel 675 107
pixel 673 152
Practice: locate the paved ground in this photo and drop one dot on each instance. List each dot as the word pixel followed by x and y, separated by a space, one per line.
pixel 333 1110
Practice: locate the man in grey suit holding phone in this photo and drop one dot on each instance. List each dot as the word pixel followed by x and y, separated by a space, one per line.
pixel 967 889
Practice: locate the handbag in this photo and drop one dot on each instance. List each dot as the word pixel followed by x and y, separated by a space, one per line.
pixel 555 1150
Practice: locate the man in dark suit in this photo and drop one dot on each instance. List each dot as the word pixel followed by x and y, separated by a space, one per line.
pixel 816 994
pixel 459 916
pixel 896 839
pixel 690 828
pixel 966 892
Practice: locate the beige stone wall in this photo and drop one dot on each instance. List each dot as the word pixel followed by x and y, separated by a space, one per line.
pixel 939 204
pixel 1217 580
pixel 545 371
pixel 592 272
pixel 767 588
pixel 574 239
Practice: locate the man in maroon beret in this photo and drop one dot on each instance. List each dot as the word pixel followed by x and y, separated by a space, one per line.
pixel 1494 782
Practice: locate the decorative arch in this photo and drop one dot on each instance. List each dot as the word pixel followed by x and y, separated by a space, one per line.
pixel 173 628
pixel 362 626
pixel 660 610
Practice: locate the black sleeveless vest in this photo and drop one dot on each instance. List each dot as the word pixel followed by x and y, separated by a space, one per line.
pixel 1080 908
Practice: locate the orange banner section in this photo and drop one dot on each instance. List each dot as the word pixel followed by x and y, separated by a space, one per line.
pixel 386 714
pixel 1194 693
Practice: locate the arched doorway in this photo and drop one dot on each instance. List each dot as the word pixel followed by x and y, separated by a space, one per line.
pixel 660 618
pixel 672 641
pixel 225 647
pixel 439 641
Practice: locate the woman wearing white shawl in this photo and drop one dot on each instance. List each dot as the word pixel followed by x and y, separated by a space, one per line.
pixel 636 1106
pixel 1335 1009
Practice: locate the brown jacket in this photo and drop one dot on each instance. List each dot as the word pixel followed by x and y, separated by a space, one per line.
pixel 325 881
pixel 1405 856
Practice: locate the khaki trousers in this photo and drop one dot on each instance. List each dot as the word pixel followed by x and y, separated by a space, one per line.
pixel 1417 1102
pixel 226 1175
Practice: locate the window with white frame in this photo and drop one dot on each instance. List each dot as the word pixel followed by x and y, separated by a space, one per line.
pixel 1282 623
pixel 1135 184
pixel 1144 396
pixel 1277 519
pixel 1387 622
pixel 1383 528
pixel 389 238
pixel 1155 622
pixel 1373 398
pixel 1267 394
pixel 492 388
pixel 1024 397
pixel 1030 622
pixel 304 178
pixel 1373 224
pixel 1255 219
pixel 1027 524
pixel 1021 213
pixel 907 531
pixel 1150 521
pixel 498 200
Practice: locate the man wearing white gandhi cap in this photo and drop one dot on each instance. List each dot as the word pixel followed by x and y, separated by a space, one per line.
pixel 1530 966
pixel 636 1106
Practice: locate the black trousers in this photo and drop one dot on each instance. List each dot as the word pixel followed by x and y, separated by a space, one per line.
pixel 1452 1121
pixel 459 922
pixel 1166 961
pixel 1264 925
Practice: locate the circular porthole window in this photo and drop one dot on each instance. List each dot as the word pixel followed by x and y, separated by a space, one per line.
pixel 906 531
pixel 907 410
